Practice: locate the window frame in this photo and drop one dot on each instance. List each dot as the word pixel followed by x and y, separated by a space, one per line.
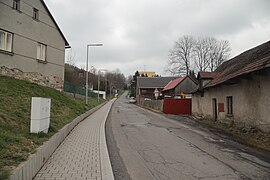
pixel 5 41
pixel 17 5
pixel 35 14
pixel 42 52
pixel 229 105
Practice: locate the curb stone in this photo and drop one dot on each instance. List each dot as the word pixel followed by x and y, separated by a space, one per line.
pixel 106 167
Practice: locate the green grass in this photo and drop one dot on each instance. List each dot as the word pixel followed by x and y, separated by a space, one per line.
pixel 16 143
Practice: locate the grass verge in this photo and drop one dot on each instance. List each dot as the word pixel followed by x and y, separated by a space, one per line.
pixel 16 143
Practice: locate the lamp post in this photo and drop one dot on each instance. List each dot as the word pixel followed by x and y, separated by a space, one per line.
pixel 86 83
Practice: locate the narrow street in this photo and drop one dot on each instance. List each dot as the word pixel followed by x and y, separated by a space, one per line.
pixel 147 145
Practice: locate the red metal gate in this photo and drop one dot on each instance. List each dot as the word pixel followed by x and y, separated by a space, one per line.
pixel 177 106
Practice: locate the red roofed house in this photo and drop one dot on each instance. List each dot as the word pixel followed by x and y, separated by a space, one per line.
pixel 238 91
pixel 147 85
pixel 182 85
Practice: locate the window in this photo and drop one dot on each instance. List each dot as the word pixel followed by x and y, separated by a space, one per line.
pixel 41 52
pixel 6 40
pixel 229 105
pixel 35 13
pixel 16 4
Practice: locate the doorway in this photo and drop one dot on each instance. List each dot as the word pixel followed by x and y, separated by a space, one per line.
pixel 214 105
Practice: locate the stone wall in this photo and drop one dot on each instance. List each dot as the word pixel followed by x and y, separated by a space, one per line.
pixel 51 81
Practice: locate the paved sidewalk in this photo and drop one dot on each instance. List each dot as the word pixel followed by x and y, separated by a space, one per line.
pixel 83 154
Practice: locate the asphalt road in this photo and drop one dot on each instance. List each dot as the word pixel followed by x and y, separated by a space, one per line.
pixel 147 145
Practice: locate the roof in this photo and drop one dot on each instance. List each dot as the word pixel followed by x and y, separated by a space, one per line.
pixel 249 61
pixel 153 82
pixel 206 75
pixel 45 6
pixel 172 84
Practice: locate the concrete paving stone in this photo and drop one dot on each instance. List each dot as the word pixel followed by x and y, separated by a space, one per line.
pixel 87 175
pixel 47 175
pixel 67 175
pixel 49 178
pixel 78 156
pixel 73 178
pixel 39 178
pixel 60 178
pixel 39 175
pixel 57 175
pixel 76 175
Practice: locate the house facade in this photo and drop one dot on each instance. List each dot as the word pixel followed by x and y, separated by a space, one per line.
pixel 30 39
pixel 239 92
pixel 182 86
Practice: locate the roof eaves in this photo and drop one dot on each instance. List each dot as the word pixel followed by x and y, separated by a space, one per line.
pixel 263 63
pixel 172 87
pixel 66 42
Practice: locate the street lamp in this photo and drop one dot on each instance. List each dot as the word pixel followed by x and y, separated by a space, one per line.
pixel 86 85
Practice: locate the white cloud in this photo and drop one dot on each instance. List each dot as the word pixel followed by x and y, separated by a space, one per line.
pixel 139 33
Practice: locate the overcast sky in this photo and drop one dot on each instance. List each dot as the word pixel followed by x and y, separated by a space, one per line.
pixel 137 34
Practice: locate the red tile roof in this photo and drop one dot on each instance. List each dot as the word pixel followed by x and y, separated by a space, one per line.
pixel 172 84
pixel 249 61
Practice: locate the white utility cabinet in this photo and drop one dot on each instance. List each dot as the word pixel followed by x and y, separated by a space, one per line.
pixel 40 115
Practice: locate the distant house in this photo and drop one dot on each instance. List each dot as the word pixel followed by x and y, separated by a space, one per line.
pixel 30 39
pixel 147 85
pixel 239 90
pixel 147 73
pixel 182 86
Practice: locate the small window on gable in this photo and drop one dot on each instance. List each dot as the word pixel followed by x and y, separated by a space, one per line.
pixel 41 52
pixel 35 14
pixel 16 4
pixel 229 105
pixel 6 40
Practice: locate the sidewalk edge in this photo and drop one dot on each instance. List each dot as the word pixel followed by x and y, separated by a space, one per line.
pixel 106 167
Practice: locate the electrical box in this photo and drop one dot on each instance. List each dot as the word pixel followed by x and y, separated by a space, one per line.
pixel 40 115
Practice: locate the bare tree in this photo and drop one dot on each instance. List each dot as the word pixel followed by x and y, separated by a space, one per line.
pixel 181 55
pixel 202 50
pixel 70 57
pixel 205 54
pixel 220 52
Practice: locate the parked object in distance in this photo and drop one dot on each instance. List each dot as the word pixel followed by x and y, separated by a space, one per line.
pixel 132 100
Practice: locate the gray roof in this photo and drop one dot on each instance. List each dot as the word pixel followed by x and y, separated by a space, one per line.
pixel 153 82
